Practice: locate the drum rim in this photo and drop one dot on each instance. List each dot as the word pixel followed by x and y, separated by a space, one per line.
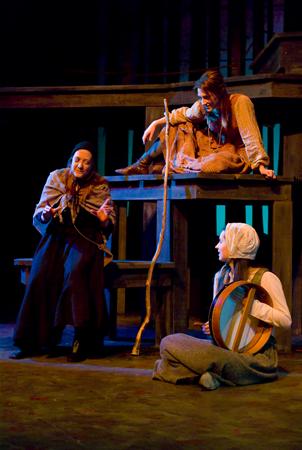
pixel 264 331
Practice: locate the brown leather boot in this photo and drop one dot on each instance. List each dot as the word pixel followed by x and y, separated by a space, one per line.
pixel 140 167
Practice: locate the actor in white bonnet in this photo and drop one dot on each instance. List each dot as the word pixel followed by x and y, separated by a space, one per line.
pixel 188 359
pixel 242 240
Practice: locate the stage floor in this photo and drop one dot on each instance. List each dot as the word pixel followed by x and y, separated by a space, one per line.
pixel 113 403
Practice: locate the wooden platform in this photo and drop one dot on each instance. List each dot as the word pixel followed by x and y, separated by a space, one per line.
pixel 252 189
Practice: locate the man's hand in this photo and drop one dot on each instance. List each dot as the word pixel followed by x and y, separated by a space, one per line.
pixel 151 129
pixel 268 173
pixel 149 132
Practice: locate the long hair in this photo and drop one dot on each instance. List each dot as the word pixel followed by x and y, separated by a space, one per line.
pixel 212 82
pixel 241 267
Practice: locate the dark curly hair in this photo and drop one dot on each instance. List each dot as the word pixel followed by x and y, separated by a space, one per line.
pixel 212 82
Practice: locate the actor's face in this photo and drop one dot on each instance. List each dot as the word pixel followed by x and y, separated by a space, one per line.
pixel 223 253
pixel 81 164
pixel 208 100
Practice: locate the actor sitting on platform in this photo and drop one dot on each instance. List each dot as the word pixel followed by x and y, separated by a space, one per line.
pixel 75 216
pixel 187 359
pixel 218 134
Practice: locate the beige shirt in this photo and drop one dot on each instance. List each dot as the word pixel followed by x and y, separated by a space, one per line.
pixel 245 129
pixel 278 315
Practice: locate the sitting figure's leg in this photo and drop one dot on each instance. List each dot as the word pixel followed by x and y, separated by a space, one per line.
pixel 181 359
pixel 187 359
pixel 141 166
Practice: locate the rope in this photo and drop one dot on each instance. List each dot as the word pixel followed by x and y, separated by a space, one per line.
pixel 136 347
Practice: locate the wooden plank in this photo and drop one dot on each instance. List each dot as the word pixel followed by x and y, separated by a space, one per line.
pixel 163 314
pixel 149 230
pixel 130 280
pixel 181 288
pixel 122 242
pixel 292 144
pixel 282 243
pixel 101 150
pixel 297 260
pixel 153 113
pixel 120 263
pixel 129 264
pixel 236 36
pixel 121 273
pixel 122 180
pixel 266 86
pixel 122 231
pixel 283 53
pixel 224 191
pixel 297 297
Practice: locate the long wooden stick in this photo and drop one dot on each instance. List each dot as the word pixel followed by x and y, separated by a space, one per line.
pixel 136 347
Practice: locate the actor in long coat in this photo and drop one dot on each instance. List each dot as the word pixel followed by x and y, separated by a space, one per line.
pixel 75 216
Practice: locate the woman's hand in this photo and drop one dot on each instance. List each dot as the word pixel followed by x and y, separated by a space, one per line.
pixel 268 173
pixel 47 213
pixel 205 327
pixel 104 211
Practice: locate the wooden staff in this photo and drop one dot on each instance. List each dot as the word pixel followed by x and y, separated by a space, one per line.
pixel 136 347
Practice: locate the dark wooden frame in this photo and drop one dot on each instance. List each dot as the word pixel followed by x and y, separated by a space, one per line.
pixel 269 92
pixel 191 187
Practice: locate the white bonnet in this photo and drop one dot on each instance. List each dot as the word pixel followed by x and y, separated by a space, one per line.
pixel 242 240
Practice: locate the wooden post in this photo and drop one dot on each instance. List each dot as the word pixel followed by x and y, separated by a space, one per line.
pixel 180 255
pixel 122 240
pixel 292 166
pixel 101 150
pixel 282 260
pixel 153 113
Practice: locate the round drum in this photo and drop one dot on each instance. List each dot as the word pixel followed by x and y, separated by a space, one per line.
pixel 231 325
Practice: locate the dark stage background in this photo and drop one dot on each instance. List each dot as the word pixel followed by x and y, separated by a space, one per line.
pixel 60 43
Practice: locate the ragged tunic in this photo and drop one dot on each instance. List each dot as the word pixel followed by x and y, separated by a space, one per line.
pixel 66 279
pixel 185 359
pixel 198 143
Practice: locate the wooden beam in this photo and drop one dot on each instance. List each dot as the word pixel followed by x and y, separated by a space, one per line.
pixel 266 86
pixel 282 242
